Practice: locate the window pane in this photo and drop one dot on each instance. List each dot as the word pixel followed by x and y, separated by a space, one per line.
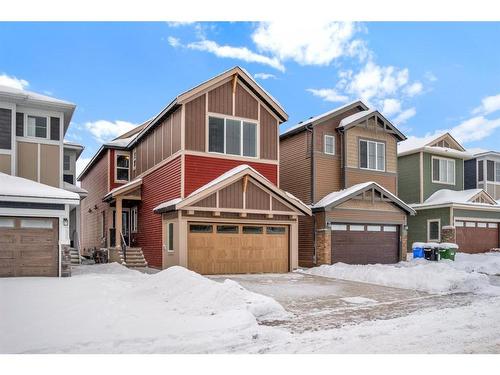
pixel 371 155
pixel 275 230
pixel 451 172
pixel 435 169
pixel 329 144
pixel 41 127
pixel 68 178
pixel 249 139
pixel 380 156
pixel 253 230
pixel 66 162
pixel 390 228
pixel 170 245
pixel 443 170
pixel 6 223
pixel 122 174
pixel 216 134
pixel 338 227
pixel 497 171
pixel 122 161
pixel 490 170
pixel 363 154
pixel 200 228
pixel 36 223
pixel 434 230
pixel 356 228
pixel 227 229
pixel 373 228
pixel 480 170
pixel 233 137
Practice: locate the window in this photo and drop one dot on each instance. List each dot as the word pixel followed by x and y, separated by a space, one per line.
pixel 459 224
pixel 200 228
pixel 492 225
pixel 69 179
pixel 434 230
pixel 330 144
pixel 133 219
pixel 443 171
pixel 227 229
pixel 372 155
pixel 470 224
pixel 338 227
pixel 356 228
pixel 36 126
pixel 252 230
pixel 275 230
pixel 497 171
pixel 373 228
pixel 232 137
pixel 122 165
pixel 390 228
pixel 36 223
pixel 134 159
pixel 170 237
pixel 480 170
pixel 6 223
pixel 490 170
pixel 67 163
pixel 482 225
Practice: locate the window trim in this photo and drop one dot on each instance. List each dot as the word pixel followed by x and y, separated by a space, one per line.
pixel 121 153
pixel 170 244
pixel 325 137
pixel 429 221
pixel 376 154
pixel 454 171
pixel 134 159
pixel 134 219
pixel 25 126
pixel 235 118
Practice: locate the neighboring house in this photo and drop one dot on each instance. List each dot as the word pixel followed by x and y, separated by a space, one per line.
pixel 344 164
pixel 36 206
pixel 197 185
pixel 431 179
pixel 483 172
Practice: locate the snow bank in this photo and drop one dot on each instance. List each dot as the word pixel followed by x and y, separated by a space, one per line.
pixel 487 263
pixel 418 275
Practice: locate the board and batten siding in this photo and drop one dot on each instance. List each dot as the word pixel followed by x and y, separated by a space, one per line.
pixel 268 135
pixel 431 187
pixel 245 105
pixel 195 117
pixel 220 99
pixel 409 178
pixel 417 225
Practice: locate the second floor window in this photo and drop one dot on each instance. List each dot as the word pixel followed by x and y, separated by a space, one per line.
pixel 443 170
pixel 232 137
pixel 122 166
pixel 480 170
pixel 67 163
pixel 330 144
pixel 372 155
pixel 37 127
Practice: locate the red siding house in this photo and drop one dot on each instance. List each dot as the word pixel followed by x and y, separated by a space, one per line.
pixel 197 185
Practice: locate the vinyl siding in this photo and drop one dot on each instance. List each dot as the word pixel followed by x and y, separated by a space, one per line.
pixel 409 178
pixel 417 225
pixel 431 187
pixel 196 124
pixel 268 135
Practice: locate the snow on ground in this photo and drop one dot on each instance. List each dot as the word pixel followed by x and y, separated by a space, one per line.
pixel 109 308
pixel 462 276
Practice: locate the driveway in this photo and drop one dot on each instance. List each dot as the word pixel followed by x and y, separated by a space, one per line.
pixel 318 303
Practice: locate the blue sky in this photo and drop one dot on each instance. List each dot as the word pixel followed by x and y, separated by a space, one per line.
pixel 426 77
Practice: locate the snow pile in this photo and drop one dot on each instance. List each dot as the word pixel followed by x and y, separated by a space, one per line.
pixel 487 263
pixel 432 277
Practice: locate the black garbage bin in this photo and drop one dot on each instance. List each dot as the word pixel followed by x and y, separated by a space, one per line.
pixel 428 253
pixel 435 254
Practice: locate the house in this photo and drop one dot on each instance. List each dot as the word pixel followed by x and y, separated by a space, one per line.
pixel 343 163
pixel 483 172
pixel 197 185
pixel 39 210
pixel 431 180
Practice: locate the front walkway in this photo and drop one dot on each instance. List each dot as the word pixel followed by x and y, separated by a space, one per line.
pixel 318 303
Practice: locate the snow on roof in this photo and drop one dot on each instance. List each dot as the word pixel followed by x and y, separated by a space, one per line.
pixel 73 144
pixel 447 196
pixel 75 189
pixel 137 181
pixel 29 95
pixel 315 118
pixel 355 117
pixel 413 144
pixel 13 187
pixel 167 204
pixel 120 142
pixel 338 195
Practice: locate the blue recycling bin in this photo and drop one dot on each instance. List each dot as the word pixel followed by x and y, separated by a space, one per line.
pixel 418 250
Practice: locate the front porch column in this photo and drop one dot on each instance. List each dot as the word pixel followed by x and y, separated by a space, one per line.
pixel 118 221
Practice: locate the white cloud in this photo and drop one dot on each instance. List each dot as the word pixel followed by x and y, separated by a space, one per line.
pixel 405 116
pixel 264 75
pixel 329 95
pixel 391 106
pixel 179 23
pixel 173 41
pixel 475 129
pixel 103 130
pixel 241 53
pixel 429 76
pixel 488 105
pixel 414 89
pixel 17 83
pixel 307 43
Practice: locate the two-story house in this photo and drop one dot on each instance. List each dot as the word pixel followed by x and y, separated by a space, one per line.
pixel 197 185
pixel 343 163
pixel 483 172
pixel 431 180
pixel 36 205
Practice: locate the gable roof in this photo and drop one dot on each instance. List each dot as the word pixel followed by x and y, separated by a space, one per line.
pixel 487 153
pixel 464 197
pixel 356 118
pixel 414 144
pixel 337 197
pixel 226 179
pixel 324 116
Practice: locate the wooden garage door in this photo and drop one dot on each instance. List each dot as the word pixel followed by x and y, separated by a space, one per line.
pixel 365 243
pixel 28 246
pixel 231 249
pixel 476 237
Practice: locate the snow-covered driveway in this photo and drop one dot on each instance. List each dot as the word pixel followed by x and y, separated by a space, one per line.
pixel 319 303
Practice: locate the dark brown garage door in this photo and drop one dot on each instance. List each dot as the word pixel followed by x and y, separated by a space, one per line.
pixel 365 243
pixel 28 246
pixel 476 237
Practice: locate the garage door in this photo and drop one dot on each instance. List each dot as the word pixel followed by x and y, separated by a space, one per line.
pixel 476 236
pixel 28 246
pixel 365 243
pixel 230 249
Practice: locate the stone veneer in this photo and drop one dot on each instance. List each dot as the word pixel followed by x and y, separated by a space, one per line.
pixel 323 247
pixel 65 261
pixel 449 234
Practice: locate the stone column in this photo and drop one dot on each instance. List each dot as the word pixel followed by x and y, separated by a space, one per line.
pixel 404 243
pixel 118 222
pixel 323 246
pixel 449 234
pixel 65 261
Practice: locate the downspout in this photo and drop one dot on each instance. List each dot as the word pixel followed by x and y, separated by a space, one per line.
pixel 310 129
